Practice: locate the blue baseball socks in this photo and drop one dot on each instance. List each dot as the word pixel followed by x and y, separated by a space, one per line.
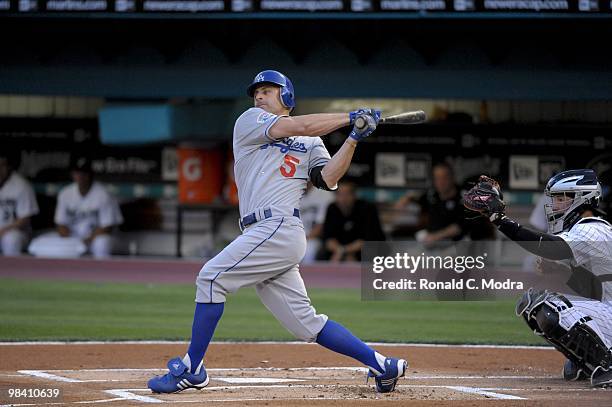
pixel 205 321
pixel 335 337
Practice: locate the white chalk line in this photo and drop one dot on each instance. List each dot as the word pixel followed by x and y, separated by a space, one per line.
pixel 548 389
pixel 462 389
pixel 416 345
pixel 129 395
pixel 59 403
pixel 246 380
pixel 51 374
pixel 46 374
pixel 126 394
pixel 238 400
pixel 475 390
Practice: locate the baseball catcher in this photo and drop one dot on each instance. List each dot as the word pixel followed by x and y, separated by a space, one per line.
pixel 579 326
pixel 275 155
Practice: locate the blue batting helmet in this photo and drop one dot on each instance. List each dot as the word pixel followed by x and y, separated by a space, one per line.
pixel 276 78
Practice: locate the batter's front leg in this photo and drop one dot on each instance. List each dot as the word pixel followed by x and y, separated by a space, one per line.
pixel 285 296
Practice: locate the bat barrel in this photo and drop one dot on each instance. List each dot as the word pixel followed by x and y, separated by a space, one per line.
pixel 418 116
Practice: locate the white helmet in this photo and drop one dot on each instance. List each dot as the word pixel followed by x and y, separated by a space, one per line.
pixel 568 194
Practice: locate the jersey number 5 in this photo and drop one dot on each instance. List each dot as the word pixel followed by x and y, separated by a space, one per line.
pixel 288 168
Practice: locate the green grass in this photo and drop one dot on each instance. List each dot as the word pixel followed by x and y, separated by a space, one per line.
pixel 52 310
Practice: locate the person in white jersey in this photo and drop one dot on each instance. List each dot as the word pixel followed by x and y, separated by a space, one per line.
pixel 17 205
pixel 275 155
pixel 85 215
pixel 579 326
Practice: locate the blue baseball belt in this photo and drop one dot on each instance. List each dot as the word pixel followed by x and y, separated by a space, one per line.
pixel 267 213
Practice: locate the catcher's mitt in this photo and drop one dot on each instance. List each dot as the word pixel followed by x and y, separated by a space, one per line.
pixel 485 197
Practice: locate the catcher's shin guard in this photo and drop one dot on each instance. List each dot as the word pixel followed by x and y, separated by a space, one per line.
pixel 580 343
pixel 585 347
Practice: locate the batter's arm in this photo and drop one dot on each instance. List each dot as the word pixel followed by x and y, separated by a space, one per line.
pixel 337 166
pixel 309 125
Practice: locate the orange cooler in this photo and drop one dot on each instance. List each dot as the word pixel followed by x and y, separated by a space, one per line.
pixel 200 175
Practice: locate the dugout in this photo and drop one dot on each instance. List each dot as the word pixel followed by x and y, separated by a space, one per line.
pixel 497 86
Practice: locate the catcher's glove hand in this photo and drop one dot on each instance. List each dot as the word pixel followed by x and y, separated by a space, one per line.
pixel 485 198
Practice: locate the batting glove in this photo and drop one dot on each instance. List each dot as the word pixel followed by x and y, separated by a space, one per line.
pixel 371 121
pixel 374 112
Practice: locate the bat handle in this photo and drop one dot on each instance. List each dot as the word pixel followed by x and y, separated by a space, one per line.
pixel 360 123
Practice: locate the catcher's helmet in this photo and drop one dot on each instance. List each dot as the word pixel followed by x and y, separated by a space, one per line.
pixel 568 194
pixel 276 78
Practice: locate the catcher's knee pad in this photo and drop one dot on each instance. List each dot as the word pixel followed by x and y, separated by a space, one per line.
pixel 547 320
pixel 547 314
pixel 526 305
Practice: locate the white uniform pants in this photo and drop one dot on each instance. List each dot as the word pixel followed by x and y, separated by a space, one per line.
pixel 53 245
pixel 12 242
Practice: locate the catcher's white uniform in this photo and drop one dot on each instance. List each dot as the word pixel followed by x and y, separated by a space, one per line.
pixel 579 326
pixel 591 242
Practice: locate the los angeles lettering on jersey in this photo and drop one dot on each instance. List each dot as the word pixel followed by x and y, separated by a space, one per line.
pixel 287 144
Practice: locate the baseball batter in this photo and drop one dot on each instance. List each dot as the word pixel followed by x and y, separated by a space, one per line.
pixel 275 155
pixel 579 326
pixel 17 206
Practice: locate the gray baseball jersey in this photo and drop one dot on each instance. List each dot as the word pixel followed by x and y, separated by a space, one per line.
pixel 271 176
pixel 271 172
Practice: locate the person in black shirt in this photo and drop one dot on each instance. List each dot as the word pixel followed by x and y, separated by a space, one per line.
pixel 348 223
pixel 442 215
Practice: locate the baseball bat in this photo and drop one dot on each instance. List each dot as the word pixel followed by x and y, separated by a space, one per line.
pixel 418 116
